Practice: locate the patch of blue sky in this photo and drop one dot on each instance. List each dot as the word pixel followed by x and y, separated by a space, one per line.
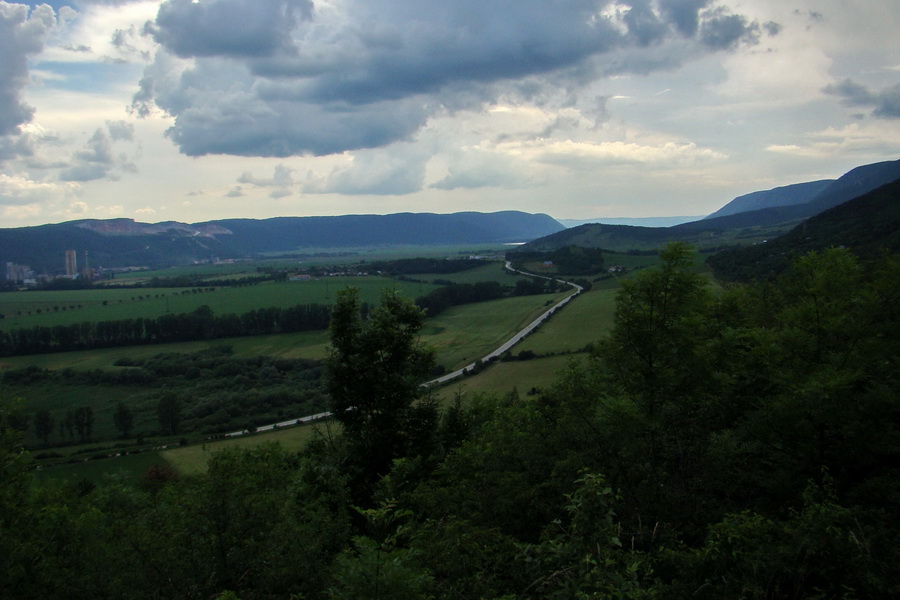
pixel 93 77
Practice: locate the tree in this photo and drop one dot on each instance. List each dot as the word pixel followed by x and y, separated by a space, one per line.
pixel 43 424
pixel 168 410
pixel 67 425
pixel 83 418
pixel 375 370
pixel 123 419
pixel 659 321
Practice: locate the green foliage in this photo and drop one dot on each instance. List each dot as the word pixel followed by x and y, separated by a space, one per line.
pixel 168 411
pixel 582 557
pixel 378 568
pixel 123 419
pixel 821 550
pixel 869 225
pixel 570 260
pixel 218 392
pixel 43 424
pixel 375 372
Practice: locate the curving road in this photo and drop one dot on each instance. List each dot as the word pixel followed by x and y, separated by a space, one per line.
pixel 521 334
pixel 459 372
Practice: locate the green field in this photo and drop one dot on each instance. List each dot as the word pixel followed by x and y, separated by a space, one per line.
pixel 192 459
pixel 583 321
pixel 504 377
pixel 49 308
pixel 128 467
pixel 308 344
pixel 493 271
pixel 464 334
pixel 307 257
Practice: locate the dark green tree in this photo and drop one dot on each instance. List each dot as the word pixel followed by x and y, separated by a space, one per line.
pixel 123 419
pixel 168 411
pixel 43 424
pixel 83 418
pixel 375 373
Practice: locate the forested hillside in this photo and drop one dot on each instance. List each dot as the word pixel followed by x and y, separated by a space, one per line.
pixel 868 225
pixel 717 445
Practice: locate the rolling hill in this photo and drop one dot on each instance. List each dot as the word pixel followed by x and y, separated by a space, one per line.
pixel 867 225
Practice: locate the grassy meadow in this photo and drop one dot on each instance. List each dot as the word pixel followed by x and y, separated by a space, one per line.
pixel 49 308
pixel 192 459
pixel 464 334
pixel 127 466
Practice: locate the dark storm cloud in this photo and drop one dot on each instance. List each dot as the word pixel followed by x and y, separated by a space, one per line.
pixel 644 25
pixel 248 127
pixel 276 78
pixel 888 106
pixel 854 94
pixel 22 33
pixel 885 104
pixel 228 27
pixel 683 14
pixel 724 31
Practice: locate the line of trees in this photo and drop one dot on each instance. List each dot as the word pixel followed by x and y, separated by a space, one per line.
pixel 201 324
pixel 439 300
pixel 571 260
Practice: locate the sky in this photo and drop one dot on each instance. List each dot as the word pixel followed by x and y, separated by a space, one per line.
pixel 194 110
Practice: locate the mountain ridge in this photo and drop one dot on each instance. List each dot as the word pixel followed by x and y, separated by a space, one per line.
pixel 126 242
pixel 708 232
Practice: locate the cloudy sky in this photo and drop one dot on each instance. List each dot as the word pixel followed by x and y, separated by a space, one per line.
pixel 193 110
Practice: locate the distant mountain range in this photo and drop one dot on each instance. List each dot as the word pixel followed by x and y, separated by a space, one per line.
pixel 778 209
pixel 778 206
pixel 789 195
pixel 640 221
pixel 125 242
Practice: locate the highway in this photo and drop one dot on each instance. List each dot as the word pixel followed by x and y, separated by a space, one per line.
pixel 459 372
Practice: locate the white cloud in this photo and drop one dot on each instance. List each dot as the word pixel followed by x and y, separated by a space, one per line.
pixel 586 154
pixel 475 168
pixel 396 171
pixel 872 140
pixel 18 190
pixel 97 159
pixel 22 34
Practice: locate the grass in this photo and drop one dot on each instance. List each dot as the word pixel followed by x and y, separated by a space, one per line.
pixel 59 397
pixel 584 320
pixel 504 377
pixel 76 306
pixel 464 334
pixel 493 271
pixel 189 460
pixel 307 344
pixel 129 466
